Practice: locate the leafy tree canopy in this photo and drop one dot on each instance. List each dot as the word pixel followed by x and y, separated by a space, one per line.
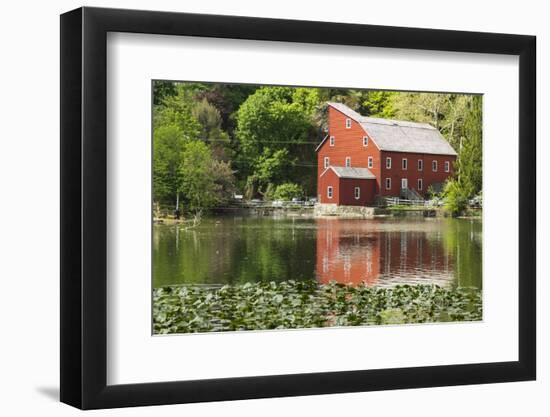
pixel 269 125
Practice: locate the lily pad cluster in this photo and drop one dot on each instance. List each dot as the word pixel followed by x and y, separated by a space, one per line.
pixel 306 304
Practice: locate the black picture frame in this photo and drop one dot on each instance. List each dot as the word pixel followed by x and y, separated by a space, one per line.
pixel 84 207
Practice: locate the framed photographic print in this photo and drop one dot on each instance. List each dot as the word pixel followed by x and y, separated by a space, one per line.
pixel 256 208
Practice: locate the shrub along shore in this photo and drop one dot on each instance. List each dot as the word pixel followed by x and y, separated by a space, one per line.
pixel 306 304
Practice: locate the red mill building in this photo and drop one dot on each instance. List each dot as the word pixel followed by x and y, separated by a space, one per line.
pixel 363 158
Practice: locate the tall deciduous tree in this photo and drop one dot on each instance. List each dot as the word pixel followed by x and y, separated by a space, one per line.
pixel 204 182
pixel 470 161
pixel 196 182
pixel 178 110
pixel 469 164
pixel 168 144
pixel 161 90
pixel 269 121
pixel 211 128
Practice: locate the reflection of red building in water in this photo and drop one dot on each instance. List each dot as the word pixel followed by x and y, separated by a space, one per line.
pixel 355 251
pixel 346 255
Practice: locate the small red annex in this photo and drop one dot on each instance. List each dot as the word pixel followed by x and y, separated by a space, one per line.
pixel 362 159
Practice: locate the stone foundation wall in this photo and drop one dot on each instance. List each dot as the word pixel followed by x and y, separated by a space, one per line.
pixel 321 210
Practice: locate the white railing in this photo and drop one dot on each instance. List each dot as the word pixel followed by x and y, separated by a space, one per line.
pixel 396 201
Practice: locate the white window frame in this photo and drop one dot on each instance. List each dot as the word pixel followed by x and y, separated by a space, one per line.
pixel 370 162
pixel 434 165
pixel 331 140
pixel 404 164
pixel 330 191
pixel 420 164
pixel 326 162
pixel 357 193
pixel 388 162
pixel 406 181
pixel 348 123
pixel 348 161
pixel 365 141
pixel 447 166
pixel 419 184
pixel 388 183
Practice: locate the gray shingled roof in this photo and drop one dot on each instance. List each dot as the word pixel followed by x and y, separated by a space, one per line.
pixel 351 172
pixel 399 135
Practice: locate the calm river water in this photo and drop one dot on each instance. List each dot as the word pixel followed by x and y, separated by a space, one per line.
pixel 383 252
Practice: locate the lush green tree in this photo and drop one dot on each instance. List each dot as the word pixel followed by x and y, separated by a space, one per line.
pixel 209 118
pixel 269 169
pixel 161 90
pixel 470 161
pixel 168 144
pixel 178 110
pixel 456 197
pixel 271 120
pixel 211 131
pixel 227 98
pixel 469 179
pixel 224 182
pixel 197 184
pixel 288 191
pixel 378 104
pixel 204 182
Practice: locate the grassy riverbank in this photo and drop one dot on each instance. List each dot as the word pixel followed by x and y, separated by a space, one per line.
pixel 306 304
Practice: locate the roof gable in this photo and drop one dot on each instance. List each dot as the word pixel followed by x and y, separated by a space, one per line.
pixel 351 172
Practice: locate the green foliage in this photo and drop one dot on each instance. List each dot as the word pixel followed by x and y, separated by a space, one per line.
pixel 288 191
pixel 224 182
pixel 210 120
pixel 470 162
pixel 227 98
pixel 305 304
pixel 270 121
pixel 183 166
pixel 469 179
pixel 378 104
pixel 456 197
pixel 168 144
pixel 161 90
pixel 197 185
pixel 205 182
pixel 177 110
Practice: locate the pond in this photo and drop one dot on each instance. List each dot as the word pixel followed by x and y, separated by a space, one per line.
pixel 382 252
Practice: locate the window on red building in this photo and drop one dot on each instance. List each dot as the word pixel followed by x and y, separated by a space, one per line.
pixel 329 191
pixel 332 139
pixel 388 183
pixel 447 166
pixel 404 163
pixel 388 163
pixel 420 164
pixel 357 193
pixel 348 161
pixel 370 163
pixel 348 123
pixel 327 162
pixel 434 166
pixel 420 184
